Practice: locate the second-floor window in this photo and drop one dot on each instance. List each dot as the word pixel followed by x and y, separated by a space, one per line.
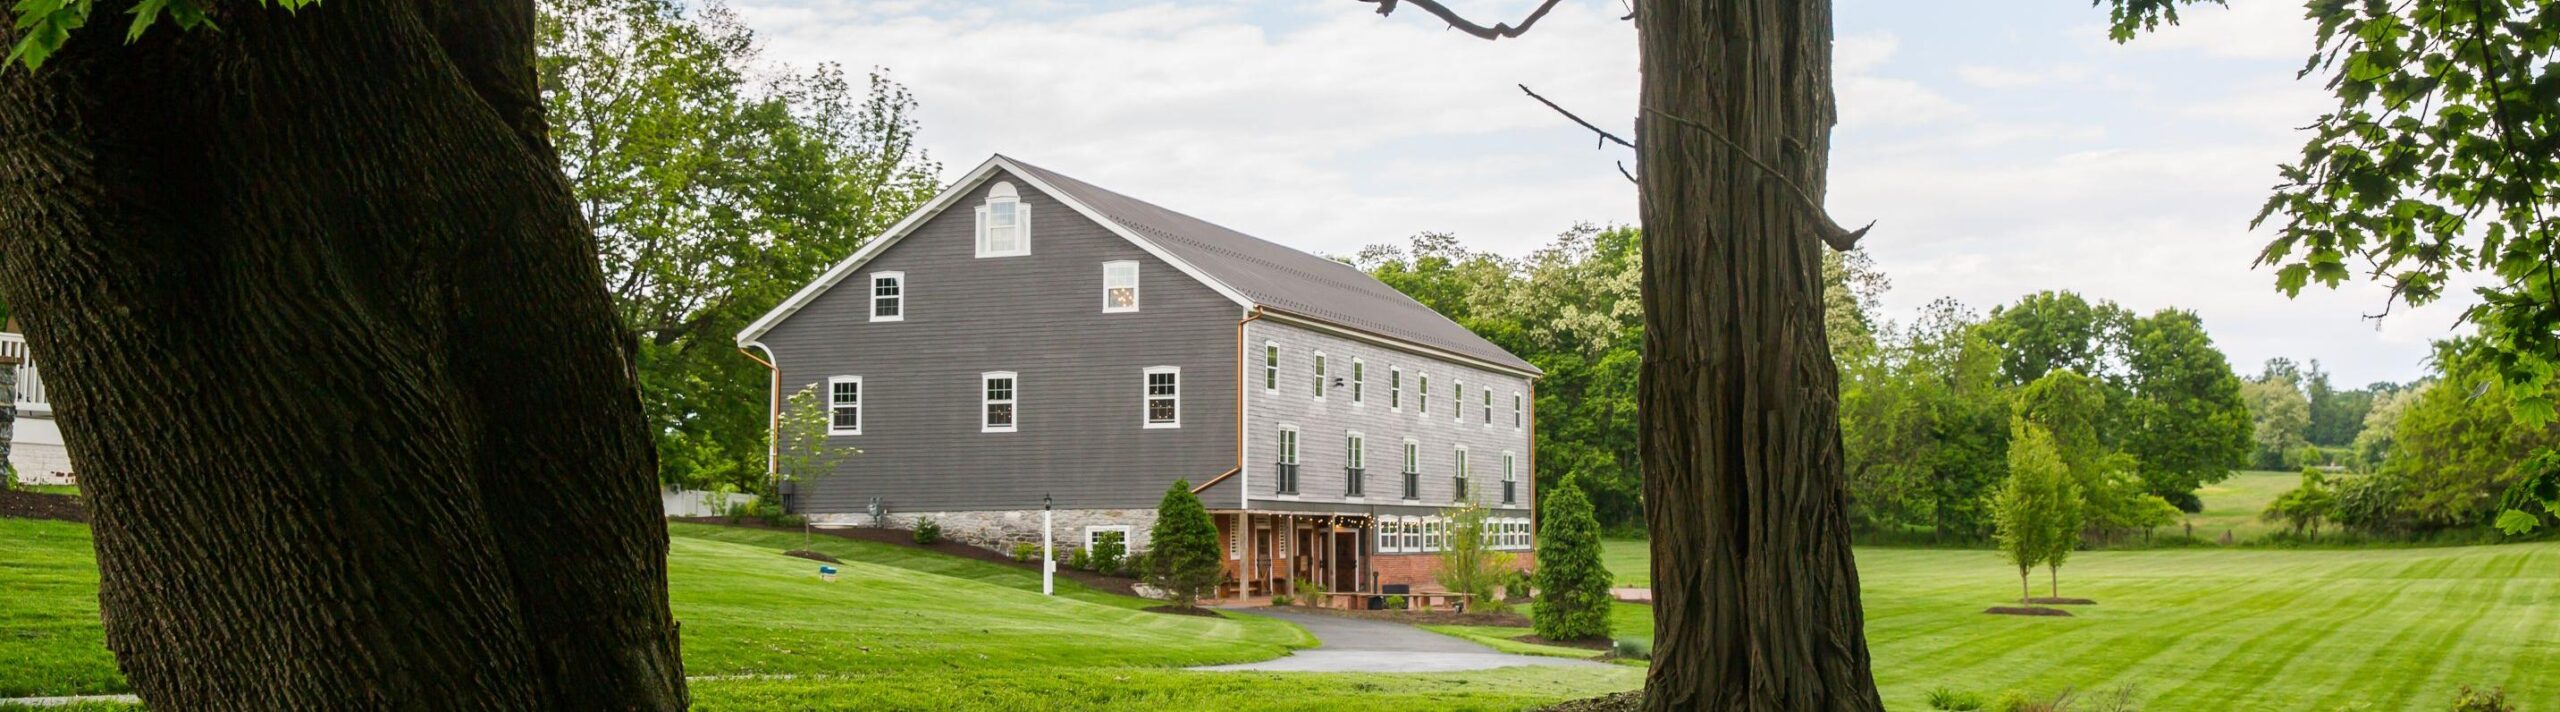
pixel 1517 419
pixel 1000 389
pixel 1004 223
pixel 1510 480
pixel 1422 394
pixel 1458 401
pixel 1412 470
pixel 1488 406
pixel 1359 382
pixel 1119 286
pixel 1461 471
pixel 888 296
pixel 1164 397
pixel 1287 471
pixel 1270 367
pixel 1355 467
pixel 844 405
pixel 1319 375
pixel 1395 388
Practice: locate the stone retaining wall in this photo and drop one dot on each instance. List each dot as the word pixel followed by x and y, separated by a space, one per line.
pixel 1000 530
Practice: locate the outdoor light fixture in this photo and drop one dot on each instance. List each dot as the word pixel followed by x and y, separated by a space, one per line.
pixel 1048 550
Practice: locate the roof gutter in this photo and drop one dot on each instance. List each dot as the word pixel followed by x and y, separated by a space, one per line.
pixel 1398 343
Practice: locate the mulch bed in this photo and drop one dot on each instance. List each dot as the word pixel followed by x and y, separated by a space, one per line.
pixel 2017 611
pixel 813 555
pixel 2062 601
pixel 907 538
pixel 36 505
pixel 1507 619
pixel 1597 644
pixel 1181 611
pixel 1628 701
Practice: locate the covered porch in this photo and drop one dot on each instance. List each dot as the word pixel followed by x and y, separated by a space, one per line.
pixel 1273 553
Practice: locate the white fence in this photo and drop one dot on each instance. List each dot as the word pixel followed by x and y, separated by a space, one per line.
pixel 31 397
pixel 697 503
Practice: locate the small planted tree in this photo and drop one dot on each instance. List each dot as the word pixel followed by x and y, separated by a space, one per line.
pixel 2306 506
pixel 2030 510
pixel 802 453
pixel 1182 554
pixel 1468 563
pixel 1573 588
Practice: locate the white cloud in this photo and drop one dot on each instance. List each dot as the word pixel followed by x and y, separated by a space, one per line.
pixel 1995 77
pixel 2248 29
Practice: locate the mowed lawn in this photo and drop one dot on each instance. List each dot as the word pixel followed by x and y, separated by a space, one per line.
pixel 2214 628
pixel 899 629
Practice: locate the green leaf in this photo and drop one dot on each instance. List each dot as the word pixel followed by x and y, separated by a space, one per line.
pixel 2515 522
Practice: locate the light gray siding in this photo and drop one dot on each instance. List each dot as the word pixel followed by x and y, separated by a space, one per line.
pixel 1081 403
pixel 1324 425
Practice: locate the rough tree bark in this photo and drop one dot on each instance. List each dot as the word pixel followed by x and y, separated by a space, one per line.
pixel 327 340
pixel 1755 596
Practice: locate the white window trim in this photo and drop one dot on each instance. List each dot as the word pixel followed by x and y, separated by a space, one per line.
pixel 1519 419
pixel 1137 297
pixel 1458 467
pixel 1395 389
pixel 1458 401
pixel 859 392
pixel 1488 406
pixel 1411 462
pixel 1422 394
pixel 1318 365
pixel 985 400
pixel 901 278
pixel 1004 192
pixel 1359 382
pixel 1361 461
pixel 1147 398
pixel 1128 537
pixel 1288 448
pixel 1271 367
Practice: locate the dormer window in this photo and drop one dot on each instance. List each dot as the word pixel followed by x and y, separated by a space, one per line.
pixel 1119 287
pixel 1004 223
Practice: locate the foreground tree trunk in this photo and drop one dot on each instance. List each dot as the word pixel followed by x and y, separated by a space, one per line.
pixel 1755 595
pixel 329 345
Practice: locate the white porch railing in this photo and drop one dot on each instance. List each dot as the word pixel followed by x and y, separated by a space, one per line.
pixel 30 384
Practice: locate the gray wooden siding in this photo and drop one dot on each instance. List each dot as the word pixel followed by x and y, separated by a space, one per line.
pixel 1081 397
pixel 1324 424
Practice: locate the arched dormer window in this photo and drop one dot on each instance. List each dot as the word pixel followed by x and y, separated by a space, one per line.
pixel 1004 223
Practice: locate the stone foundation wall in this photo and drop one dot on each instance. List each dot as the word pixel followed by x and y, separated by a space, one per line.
pixel 1000 530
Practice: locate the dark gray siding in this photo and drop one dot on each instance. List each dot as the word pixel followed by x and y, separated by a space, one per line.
pixel 1080 439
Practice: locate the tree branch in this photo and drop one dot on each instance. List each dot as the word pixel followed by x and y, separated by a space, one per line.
pixel 1461 24
pixel 1604 135
pixel 1839 238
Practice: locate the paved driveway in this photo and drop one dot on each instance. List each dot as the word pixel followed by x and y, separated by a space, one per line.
pixel 1359 645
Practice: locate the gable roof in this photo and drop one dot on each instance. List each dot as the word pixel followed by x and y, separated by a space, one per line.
pixel 1248 270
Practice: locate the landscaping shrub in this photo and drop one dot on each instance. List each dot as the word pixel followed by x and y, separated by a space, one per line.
pixel 1107 553
pixel 1573 587
pixel 927 531
pixel 1282 599
pixel 1953 701
pixel 1630 650
pixel 1078 559
pixel 2476 700
pixel 1026 552
pixel 1469 564
pixel 1184 554
pixel 1395 603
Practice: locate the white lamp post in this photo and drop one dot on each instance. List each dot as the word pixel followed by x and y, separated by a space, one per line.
pixel 1048 552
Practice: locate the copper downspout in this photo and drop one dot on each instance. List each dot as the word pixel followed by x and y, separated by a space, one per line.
pixel 773 413
pixel 1242 498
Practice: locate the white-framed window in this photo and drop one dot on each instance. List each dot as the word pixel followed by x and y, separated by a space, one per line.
pixel 1431 534
pixel 1461 471
pixel 1488 406
pixel 1099 533
pixel 1004 223
pixel 1119 287
pixel 1287 481
pixel 1355 458
pixel 1412 527
pixel 1510 478
pixel 1319 375
pixel 888 296
pixel 1422 394
pixel 1390 536
pixel 1458 400
pixel 1359 381
pixel 1518 410
pixel 844 405
pixel 1271 366
pixel 999 392
pixel 1164 397
pixel 1395 389
pixel 1411 485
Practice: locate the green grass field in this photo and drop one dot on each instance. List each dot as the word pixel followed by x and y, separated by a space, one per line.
pixel 2214 628
pixel 899 629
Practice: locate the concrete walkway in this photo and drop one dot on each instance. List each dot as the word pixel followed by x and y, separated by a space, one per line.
pixel 1359 645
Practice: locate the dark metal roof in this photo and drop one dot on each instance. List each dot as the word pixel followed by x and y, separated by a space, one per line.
pixel 1281 278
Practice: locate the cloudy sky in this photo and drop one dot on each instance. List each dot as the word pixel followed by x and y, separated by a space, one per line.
pixel 2004 147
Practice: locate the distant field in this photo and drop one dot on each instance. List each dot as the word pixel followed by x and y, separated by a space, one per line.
pixel 901 629
pixel 2233 505
pixel 2214 628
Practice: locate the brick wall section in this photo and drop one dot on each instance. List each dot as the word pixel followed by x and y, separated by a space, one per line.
pixel 1422 571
